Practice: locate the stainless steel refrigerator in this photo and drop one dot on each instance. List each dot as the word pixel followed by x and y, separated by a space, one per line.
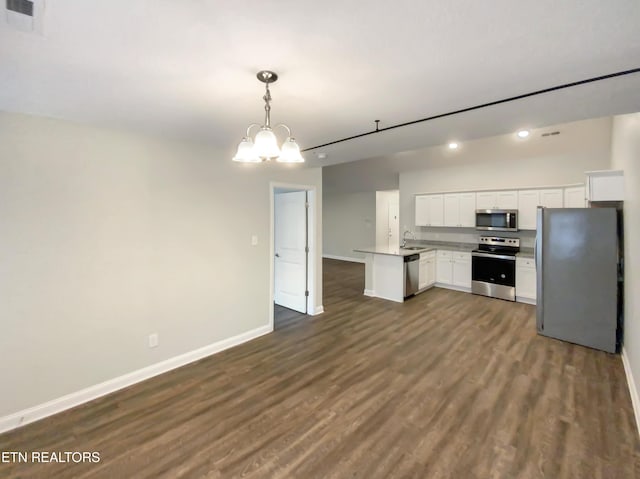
pixel 577 265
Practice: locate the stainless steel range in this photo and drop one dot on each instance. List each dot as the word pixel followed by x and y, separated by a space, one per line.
pixel 493 267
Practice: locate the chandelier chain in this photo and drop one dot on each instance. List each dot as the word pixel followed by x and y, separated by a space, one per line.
pixel 267 106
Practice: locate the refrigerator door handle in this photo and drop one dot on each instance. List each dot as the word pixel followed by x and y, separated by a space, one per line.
pixel 537 254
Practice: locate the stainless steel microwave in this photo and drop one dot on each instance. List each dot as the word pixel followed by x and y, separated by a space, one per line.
pixel 497 220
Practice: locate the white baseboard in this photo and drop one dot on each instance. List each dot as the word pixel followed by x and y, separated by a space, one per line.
pixel 319 310
pixel 343 258
pixel 635 399
pixel 74 399
pixel 374 295
pixel 455 288
pixel 521 299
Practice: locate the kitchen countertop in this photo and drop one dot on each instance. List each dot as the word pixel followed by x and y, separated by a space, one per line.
pixel 525 253
pixel 428 246
pixel 392 251
pixel 450 245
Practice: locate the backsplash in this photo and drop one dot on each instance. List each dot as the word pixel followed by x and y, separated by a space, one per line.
pixel 468 235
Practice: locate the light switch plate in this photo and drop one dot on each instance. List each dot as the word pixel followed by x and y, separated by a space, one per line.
pixel 254 240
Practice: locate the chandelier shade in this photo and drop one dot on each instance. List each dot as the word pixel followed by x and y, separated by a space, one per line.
pixel 265 145
pixel 290 152
pixel 246 152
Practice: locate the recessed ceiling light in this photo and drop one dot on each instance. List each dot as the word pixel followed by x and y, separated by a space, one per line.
pixel 523 133
pixel 322 155
pixel 453 145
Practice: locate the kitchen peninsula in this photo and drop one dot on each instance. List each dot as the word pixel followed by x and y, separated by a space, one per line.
pixel 397 273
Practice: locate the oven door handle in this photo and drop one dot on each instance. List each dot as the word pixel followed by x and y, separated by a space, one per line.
pixel 496 256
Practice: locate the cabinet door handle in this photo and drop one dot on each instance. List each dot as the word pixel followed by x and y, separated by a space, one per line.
pixel 277 255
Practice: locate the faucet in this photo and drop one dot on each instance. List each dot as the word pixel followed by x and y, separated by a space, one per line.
pixel 404 237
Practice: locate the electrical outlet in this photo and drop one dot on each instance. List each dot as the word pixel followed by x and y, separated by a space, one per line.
pixel 153 340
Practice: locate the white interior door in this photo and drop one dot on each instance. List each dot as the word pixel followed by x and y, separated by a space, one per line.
pixel 290 263
pixel 394 224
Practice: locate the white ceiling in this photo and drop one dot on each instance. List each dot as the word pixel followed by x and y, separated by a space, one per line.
pixel 187 69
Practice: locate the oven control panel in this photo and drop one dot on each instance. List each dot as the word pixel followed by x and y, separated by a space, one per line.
pixel 500 241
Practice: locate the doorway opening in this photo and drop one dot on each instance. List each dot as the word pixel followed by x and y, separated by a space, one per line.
pixel 293 253
pixel 388 219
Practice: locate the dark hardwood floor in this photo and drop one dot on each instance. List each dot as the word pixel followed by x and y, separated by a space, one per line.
pixel 285 317
pixel 445 385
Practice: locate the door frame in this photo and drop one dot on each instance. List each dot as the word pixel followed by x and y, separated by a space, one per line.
pixel 312 229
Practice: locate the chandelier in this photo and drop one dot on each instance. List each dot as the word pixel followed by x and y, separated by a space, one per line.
pixel 265 145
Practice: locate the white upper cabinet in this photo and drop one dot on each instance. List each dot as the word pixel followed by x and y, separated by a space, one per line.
pixel 497 200
pixel 551 198
pixel 607 185
pixel 574 197
pixel 529 200
pixel 485 200
pixel 452 209
pixel 430 210
pixel 468 210
pixel 436 210
pixel 460 209
pixel 507 200
pixel 422 210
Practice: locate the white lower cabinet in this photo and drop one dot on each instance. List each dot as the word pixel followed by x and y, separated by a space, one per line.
pixel 462 270
pixel 525 280
pixel 427 270
pixel 454 269
pixel 444 270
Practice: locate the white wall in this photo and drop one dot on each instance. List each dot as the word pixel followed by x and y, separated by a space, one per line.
pixel 107 237
pixel 505 162
pixel 348 223
pixel 356 176
pixel 625 155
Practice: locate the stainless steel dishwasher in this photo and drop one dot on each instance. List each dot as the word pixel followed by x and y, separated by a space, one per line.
pixel 411 273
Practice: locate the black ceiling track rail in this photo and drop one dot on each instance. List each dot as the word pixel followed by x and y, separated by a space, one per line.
pixel 484 105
